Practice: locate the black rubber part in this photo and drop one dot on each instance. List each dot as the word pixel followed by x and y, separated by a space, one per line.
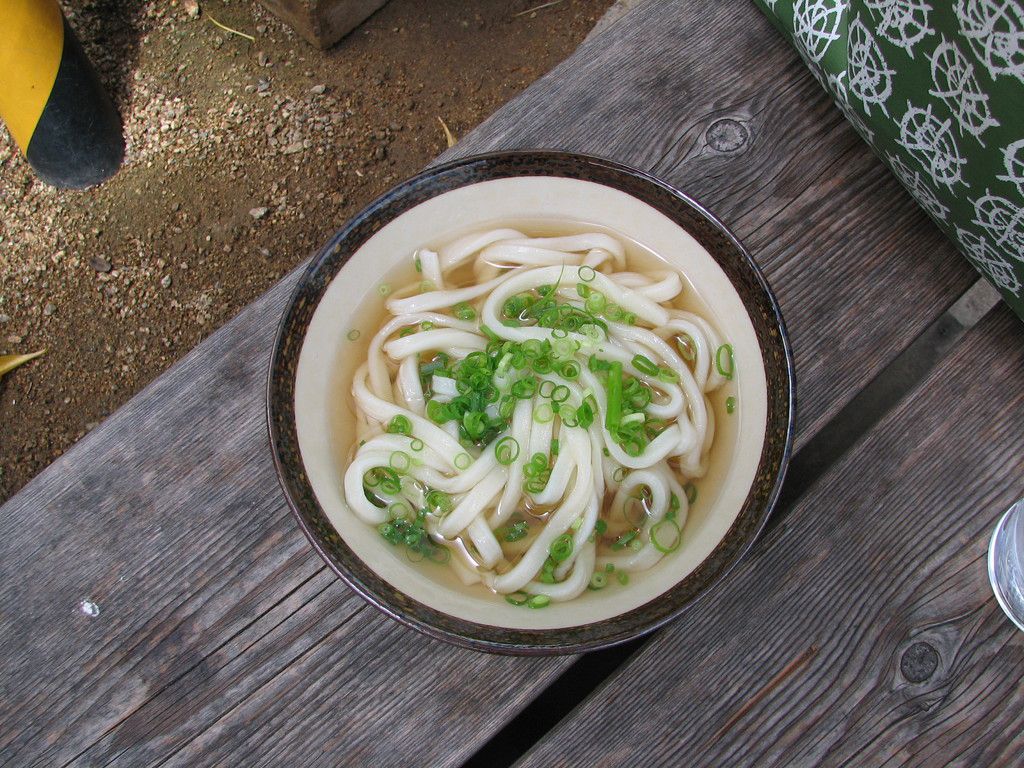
pixel 77 142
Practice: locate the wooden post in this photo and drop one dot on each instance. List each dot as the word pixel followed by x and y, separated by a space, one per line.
pixel 323 22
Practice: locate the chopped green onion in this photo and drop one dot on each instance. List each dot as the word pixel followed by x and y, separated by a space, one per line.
pixel 625 539
pixel 730 404
pixel 561 548
pixel 438 502
pixel 352 335
pixel 667 375
pixel 383 289
pixel 645 365
pixel 426 325
pixel 609 568
pixel 400 461
pixel 620 474
pixel 406 332
pixel 560 393
pixel 489 333
pixel 569 370
pixel 669 538
pixel 687 347
pixel 725 352
pixel 524 389
pixel 538 601
pixel 416 444
pixel 400 425
pixel 437 411
pixel 586 273
pixel 462 461
pixel 464 312
pixel 554 447
pixel 399 510
pixel 519 530
pixel 595 302
pixel 614 410
pixel 623 578
pixel 691 492
pixel 598 581
pixel 419 264
pixel 426 286
pixel 517 598
pixel 507 450
pixel 600 527
pixel 546 388
pixel 542 414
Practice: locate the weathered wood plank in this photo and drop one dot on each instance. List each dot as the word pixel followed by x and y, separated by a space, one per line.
pixel 219 630
pixel 323 22
pixel 883 568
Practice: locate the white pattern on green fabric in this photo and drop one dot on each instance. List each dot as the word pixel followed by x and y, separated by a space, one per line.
pixel 936 89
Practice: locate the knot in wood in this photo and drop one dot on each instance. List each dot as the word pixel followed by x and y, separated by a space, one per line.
pixel 726 135
pixel 919 662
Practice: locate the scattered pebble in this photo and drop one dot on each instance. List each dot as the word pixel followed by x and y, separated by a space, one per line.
pixel 166 282
pixel 100 264
pixel 262 86
pixel 291 149
pixel 258 213
pixel 262 59
pixel 49 309
pixel 5 318
pixel 191 8
pixel 318 89
pixel 89 608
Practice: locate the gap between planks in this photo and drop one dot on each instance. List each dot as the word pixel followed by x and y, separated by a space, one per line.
pixel 590 671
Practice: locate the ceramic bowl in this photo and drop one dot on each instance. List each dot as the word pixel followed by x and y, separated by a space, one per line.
pixel 337 304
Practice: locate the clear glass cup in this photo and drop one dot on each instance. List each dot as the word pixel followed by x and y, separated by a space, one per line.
pixel 1006 563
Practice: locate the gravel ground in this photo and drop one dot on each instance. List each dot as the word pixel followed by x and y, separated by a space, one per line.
pixel 242 158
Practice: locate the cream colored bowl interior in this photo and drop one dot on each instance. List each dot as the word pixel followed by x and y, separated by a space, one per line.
pixel 323 401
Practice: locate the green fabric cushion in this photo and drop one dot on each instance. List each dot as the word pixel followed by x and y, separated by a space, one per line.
pixel 937 89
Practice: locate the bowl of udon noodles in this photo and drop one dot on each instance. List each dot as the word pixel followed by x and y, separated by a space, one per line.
pixel 532 402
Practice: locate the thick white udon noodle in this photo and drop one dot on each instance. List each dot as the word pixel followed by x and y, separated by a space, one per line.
pixel 486 493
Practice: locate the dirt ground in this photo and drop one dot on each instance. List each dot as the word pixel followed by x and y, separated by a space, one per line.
pixel 242 158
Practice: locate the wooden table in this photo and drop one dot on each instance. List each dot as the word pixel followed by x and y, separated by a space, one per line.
pixel 861 630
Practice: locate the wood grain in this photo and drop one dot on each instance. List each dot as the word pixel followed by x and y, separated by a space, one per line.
pixel 883 566
pixel 220 634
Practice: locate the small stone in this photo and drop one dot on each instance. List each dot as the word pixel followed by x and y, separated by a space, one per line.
pixel 291 149
pixel 191 8
pixel 100 264
pixel 318 89
pixel 5 318
pixel 14 339
pixel 49 309
pixel 166 282
pixel 258 213
pixel 380 153
pixel 261 29
pixel 89 608
pixel 262 86
pixel 262 59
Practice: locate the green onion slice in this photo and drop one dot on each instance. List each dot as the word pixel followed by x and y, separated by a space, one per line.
pixel 666 536
pixel 506 450
pixel 724 361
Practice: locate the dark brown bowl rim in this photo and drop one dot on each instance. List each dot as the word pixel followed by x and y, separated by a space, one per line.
pixel 669 605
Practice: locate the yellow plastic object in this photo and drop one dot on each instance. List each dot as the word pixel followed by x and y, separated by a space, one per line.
pixel 31 45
